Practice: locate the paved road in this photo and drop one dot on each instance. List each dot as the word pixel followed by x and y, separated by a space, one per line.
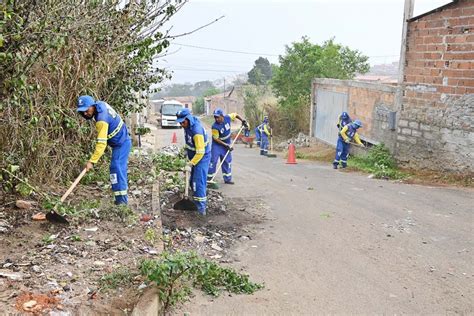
pixel 339 242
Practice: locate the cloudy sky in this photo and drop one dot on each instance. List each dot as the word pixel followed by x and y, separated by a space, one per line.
pixel 253 28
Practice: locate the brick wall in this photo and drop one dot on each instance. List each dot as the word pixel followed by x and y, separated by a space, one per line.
pixel 436 126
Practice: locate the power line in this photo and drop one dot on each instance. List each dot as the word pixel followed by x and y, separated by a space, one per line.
pixel 224 50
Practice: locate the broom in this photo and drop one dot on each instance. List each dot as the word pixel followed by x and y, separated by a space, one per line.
pixel 211 183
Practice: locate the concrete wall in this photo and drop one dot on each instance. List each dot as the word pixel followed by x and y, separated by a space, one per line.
pixel 369 102
pixel 436 126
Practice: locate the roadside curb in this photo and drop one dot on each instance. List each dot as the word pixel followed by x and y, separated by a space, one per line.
pixel 149 303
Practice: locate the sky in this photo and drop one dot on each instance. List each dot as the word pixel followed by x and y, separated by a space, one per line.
pixel 253 28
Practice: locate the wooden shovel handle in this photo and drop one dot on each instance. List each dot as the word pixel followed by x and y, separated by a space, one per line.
pixel 186 183
pixel 73 185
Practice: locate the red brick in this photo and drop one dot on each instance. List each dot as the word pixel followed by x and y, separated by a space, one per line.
pixel 466 82
pixel 461 90
pixel 469 90
pixel 470 38
pixel 468 11
pixel 453 73
pixel 455 21
pixel 460 47
pixel 435 72
pixel 468 73
pixel 432 40
pixel 447 89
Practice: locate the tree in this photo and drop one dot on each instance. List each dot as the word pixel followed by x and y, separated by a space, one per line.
pixel 261 72
pixel 305 61
pixel 198 105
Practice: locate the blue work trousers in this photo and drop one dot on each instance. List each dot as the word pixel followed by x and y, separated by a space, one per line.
pixel 264 144
pixel 118 171
pixel 199 182
pixel 342 151
pixel 218 152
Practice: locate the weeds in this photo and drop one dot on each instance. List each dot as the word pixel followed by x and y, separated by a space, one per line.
pixel 175 273
pixel 168 162
pixel 172 181
pixel 379 162
pixel 121 276
pixel 150 235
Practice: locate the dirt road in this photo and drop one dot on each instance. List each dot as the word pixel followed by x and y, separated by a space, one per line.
pixel 339 242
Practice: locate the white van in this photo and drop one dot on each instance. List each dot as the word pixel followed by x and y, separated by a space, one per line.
pixel 168 113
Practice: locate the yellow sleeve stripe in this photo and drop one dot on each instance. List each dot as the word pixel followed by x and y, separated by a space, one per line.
pixel 102 129
pixel 200 148
pixel 357 139
pixel 215 133
pixel 233 116
pixel 343 132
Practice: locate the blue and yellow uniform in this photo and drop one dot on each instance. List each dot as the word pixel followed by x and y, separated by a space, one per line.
pixel 221 131
pixel 264 135
pixel 112 131
pixel 343 120
pixel 346 135
pixel 198 149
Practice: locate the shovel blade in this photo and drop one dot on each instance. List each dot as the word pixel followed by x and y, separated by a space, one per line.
pixel 185 205
pixel 54 217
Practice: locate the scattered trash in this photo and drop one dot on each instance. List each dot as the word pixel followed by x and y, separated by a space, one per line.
pixel 325 215
pixel 310 188
pixel 15 276
pixel 216 247
pixel 370 176
pixel 39 216
pixel 146 217
pixel 25 205
pixel 28 306
pixel 91 229
pixel 99 263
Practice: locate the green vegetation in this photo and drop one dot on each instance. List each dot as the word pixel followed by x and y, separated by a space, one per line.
pixel 168 162
pixel 121 276
pixel 379 162
pixel 198 105
pixel 150 235
pixel 50 54
pixel 261 72
pixel 175 273
pixel 142 131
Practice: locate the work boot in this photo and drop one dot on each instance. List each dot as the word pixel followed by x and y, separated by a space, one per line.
pixel 229 182
pixel 202 212
pixel 262 152
pixel 344 165
pixel 334 165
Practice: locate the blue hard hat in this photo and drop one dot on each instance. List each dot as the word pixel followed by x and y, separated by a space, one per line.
pixel 344 115
pixel 357 123
pixel 218 112
pixel 84 102
pixel 182 115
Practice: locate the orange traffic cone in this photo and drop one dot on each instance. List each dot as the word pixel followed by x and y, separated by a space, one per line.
pixel 174 140
pixel 291 154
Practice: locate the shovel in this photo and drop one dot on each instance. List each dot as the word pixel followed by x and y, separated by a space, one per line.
pixel 271 154
pixel 55 217
pixel 185 204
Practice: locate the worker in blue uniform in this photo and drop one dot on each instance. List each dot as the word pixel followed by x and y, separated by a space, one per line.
pixel 198 149
pixel 221 144
pixel 265 133
pixel 347 134
pixel 343 120
pixel 111 130
pixel 258 135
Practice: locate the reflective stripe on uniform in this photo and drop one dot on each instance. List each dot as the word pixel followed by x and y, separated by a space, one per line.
pixel 225 137
pixel 124 192
pixel 200 199
pixel 227 174
pixel 116 130
pixel 102 140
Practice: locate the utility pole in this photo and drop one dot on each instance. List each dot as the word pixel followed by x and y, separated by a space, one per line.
pixel 407 14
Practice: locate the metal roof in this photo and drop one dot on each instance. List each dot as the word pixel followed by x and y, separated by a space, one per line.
pixel 441 8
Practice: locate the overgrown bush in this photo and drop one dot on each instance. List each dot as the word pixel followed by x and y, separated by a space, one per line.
pixel 379 161
pixel 53 51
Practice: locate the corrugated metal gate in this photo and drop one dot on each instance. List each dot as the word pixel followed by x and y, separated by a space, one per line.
pixel 329 105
